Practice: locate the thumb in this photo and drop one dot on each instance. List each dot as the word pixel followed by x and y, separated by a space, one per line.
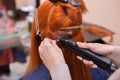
pixel 82 45
pixel 90 46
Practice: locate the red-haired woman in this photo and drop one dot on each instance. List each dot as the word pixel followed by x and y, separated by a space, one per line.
pixel 50 19
pixel 55 20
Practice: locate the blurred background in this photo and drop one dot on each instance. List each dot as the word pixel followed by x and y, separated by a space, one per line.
pixel 16 17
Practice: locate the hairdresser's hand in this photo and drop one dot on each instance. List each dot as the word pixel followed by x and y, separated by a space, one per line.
pixel 50 53
pixel 102 49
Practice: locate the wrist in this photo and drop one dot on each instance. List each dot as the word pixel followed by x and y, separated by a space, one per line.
pixel 59 62
pixel 56 63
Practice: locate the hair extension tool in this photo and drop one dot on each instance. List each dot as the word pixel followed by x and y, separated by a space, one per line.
pixel 101 61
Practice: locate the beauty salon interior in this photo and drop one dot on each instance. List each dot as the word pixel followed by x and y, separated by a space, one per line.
pixel 16 21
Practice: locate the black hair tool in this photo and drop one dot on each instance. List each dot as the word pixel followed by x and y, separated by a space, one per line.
pixel 76 4
pixel 101 61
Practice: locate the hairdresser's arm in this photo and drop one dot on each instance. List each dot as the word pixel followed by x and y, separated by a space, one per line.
pixel 52 57
pixel 113 52
pixel 115 56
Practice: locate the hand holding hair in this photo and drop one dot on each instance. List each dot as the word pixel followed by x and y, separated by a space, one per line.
pixel 50 53
pixel 102 49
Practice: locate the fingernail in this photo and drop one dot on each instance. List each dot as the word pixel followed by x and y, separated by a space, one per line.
pixel 79 58
pixel 95 66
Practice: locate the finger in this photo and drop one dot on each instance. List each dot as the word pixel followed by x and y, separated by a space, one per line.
pixel 91 46
pixel 80 58
pixel 93 66
pixel 41 56
pixel 48 39
pixel 54 44
pixel 41 48
pixel 81 45
pixel 89 63
pixel 41 44
pixel 47 42
pixel 86 62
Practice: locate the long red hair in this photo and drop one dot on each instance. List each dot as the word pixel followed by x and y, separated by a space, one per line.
pixel 52 17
